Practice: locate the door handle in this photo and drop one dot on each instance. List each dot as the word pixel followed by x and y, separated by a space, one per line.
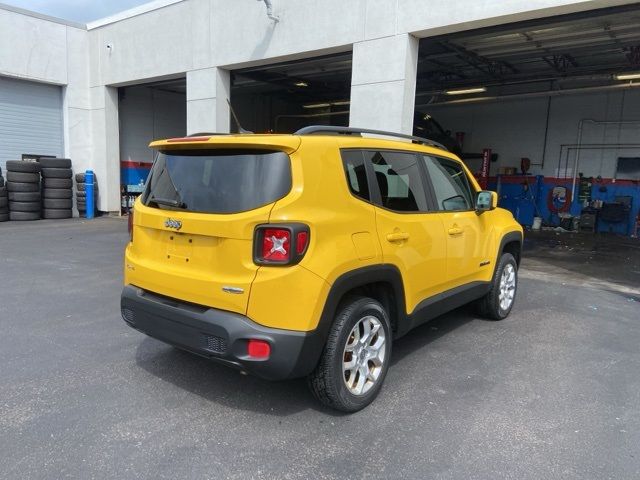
pixel 397 236
pixel 455 231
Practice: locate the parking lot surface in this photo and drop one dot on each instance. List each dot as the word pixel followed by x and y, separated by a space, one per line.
pixel 551 392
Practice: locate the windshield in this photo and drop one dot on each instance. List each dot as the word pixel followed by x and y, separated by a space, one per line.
pixel 217 181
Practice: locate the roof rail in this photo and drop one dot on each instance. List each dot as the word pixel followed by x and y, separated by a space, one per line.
pixel 310 130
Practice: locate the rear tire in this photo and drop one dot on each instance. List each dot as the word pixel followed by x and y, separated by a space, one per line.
pixel 55 162
pixel 23 177
pixel 22 187
pixel 48 182
pixel 356 356
pixel 497 304
pixel 24 207
pixel 56 214
pixel 57 173
pixel 20 166
pixel 20 216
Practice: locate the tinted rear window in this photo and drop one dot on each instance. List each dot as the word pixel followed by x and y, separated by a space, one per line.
pixel 217 181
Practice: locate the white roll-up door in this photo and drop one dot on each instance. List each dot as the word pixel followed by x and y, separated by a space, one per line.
pixel 30 120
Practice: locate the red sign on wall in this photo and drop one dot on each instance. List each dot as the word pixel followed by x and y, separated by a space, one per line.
pixel 484 171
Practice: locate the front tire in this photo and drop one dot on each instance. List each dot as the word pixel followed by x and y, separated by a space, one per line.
pixel 497 304
pixel 356 357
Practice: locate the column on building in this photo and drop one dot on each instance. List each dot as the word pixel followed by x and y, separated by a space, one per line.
pixel 383 83
pixel 208 91
pixel 106 146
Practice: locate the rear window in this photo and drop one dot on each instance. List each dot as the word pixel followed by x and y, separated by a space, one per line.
pixel 217 181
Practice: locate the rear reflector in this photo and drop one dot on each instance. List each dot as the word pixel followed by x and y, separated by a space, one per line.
pixel 258 349
pixel 301 242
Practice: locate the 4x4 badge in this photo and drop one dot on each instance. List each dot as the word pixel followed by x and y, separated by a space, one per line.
pixel 170 223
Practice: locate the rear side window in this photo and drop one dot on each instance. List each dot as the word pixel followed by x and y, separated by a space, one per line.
pixel 400 181
pixel 450 184
pixel 217 181
pixel 356 173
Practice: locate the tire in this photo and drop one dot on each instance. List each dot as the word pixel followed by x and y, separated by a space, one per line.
pixel 3 191
pixel 4 217
pixel 57 193
pixel 55 162
pixel 23 187
pixel 80 177
pixel 3 202
pixel 22 177
pixel 24 216
pixel 81 194
pixel 491 306
pixel 24 196
pixel 20 166
pixel 328 381
pixel 57 213
pixel 1 181
pixel 57 203
pixel 56 173
pixel 57 183
pixel 24 206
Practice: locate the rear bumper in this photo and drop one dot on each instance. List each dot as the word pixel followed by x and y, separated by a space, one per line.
pixel 220 335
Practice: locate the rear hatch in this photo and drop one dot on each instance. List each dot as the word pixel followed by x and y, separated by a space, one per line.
pixel 194 224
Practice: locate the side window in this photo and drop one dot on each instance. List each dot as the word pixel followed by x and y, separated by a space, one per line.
pixel 355 171
pixel 450 184
pixel 400 182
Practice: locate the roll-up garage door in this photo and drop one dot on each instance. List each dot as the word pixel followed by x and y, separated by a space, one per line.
pixel 30 120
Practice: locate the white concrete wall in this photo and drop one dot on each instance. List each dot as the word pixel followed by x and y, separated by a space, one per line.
pixel 516 129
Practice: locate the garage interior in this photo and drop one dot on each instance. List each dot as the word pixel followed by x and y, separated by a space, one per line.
pixel 284 97
pixel 554 104
pixel 147 112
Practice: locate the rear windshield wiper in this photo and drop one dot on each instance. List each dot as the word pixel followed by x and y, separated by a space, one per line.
pixel 168 202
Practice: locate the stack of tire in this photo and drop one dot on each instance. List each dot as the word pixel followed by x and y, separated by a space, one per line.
pixel 57 188
pixel 23 188
pixel 4 200
pixel 81 193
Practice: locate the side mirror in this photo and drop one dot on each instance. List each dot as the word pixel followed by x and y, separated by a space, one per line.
pixel 486 200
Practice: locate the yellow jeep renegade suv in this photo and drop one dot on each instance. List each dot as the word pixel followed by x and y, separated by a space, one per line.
pixel 307 254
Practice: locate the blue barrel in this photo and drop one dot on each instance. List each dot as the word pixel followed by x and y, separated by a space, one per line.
pixel 88 179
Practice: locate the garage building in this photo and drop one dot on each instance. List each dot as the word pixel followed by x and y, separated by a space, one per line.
pixel 539 98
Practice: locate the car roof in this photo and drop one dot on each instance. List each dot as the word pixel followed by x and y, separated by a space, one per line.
pixel 291 142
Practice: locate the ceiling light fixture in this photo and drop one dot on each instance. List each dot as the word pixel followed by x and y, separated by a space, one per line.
pixel 342 102
pixel 464 91
pixel 628 76
pixel 317 105
pixel 301 84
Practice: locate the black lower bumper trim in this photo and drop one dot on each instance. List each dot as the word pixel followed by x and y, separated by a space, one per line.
pixel 220 335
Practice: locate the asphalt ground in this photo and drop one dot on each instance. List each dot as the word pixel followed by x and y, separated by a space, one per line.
pixel 552 392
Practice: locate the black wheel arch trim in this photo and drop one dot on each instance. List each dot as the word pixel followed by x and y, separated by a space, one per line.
pixel 360 277
pixel 510 237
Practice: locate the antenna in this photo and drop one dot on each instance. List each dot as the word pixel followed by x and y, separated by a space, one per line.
pixel 235 118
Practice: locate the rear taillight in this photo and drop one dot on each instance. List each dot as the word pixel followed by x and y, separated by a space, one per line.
pixel 130 225
pixel 282 244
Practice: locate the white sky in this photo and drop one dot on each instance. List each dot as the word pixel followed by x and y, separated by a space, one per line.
pixel 82 11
